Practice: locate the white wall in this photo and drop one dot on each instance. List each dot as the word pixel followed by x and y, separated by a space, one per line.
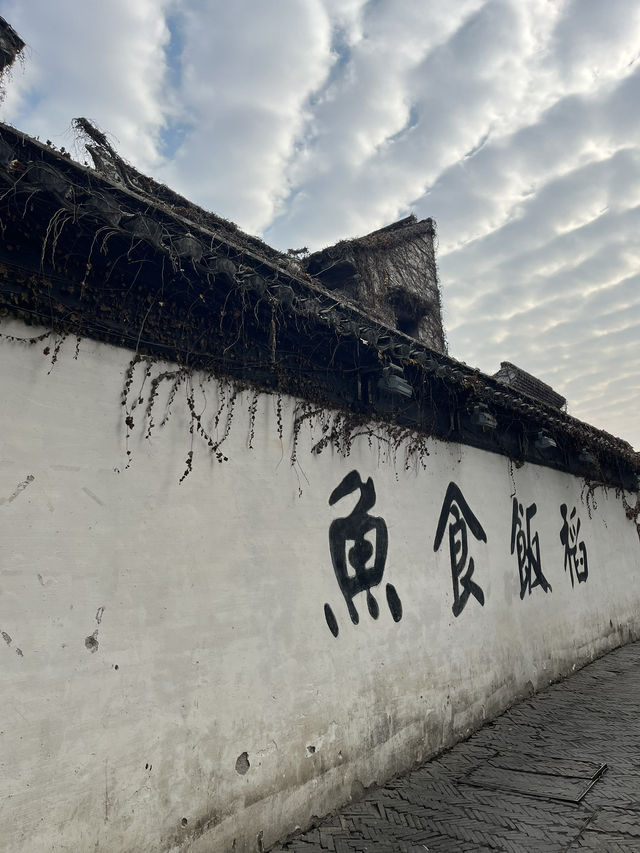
pixel 206 601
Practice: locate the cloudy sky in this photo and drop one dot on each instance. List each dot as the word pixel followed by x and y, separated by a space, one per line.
pixel 515 124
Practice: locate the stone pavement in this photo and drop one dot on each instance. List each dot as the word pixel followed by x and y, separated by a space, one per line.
pixel 553 742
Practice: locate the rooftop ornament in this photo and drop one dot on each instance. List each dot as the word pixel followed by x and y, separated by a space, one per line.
pixel 393 382
pixel 587 457
pixel 544 441
pixel 482 417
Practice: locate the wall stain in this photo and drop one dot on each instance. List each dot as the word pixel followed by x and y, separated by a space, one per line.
pixel 196 829
pixel 8 640
pixel 92 496
pixel 18 489
pixel 91 642
pixel 242 764
pixel 106 790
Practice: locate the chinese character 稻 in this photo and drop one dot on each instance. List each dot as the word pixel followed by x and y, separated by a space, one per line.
pixel 575 553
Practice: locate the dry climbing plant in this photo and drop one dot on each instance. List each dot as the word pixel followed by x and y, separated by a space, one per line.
pixel 328 428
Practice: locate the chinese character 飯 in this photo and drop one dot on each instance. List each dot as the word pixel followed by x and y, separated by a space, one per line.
pixel 527 549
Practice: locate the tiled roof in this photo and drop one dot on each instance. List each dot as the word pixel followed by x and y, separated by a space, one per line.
pixel 525 383
pixel 124 260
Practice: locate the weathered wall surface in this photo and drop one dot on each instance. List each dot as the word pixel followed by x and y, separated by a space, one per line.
pixel 171 681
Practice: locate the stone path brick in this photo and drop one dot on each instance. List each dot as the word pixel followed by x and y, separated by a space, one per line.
pixel 594 716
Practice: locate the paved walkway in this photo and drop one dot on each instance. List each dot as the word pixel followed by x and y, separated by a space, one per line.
pixel 458 801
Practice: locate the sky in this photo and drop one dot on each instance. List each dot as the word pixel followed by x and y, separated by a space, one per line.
pixel 515 124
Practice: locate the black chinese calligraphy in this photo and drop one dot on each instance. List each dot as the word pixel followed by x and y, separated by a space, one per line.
pixel 575 553
pixel 354 529
pixel 527 549
pixel 456 510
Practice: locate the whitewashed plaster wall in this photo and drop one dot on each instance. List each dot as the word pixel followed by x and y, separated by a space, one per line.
pixel 170 682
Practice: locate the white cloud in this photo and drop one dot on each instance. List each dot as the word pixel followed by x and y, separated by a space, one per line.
pixel 247 71
pixel 595 41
